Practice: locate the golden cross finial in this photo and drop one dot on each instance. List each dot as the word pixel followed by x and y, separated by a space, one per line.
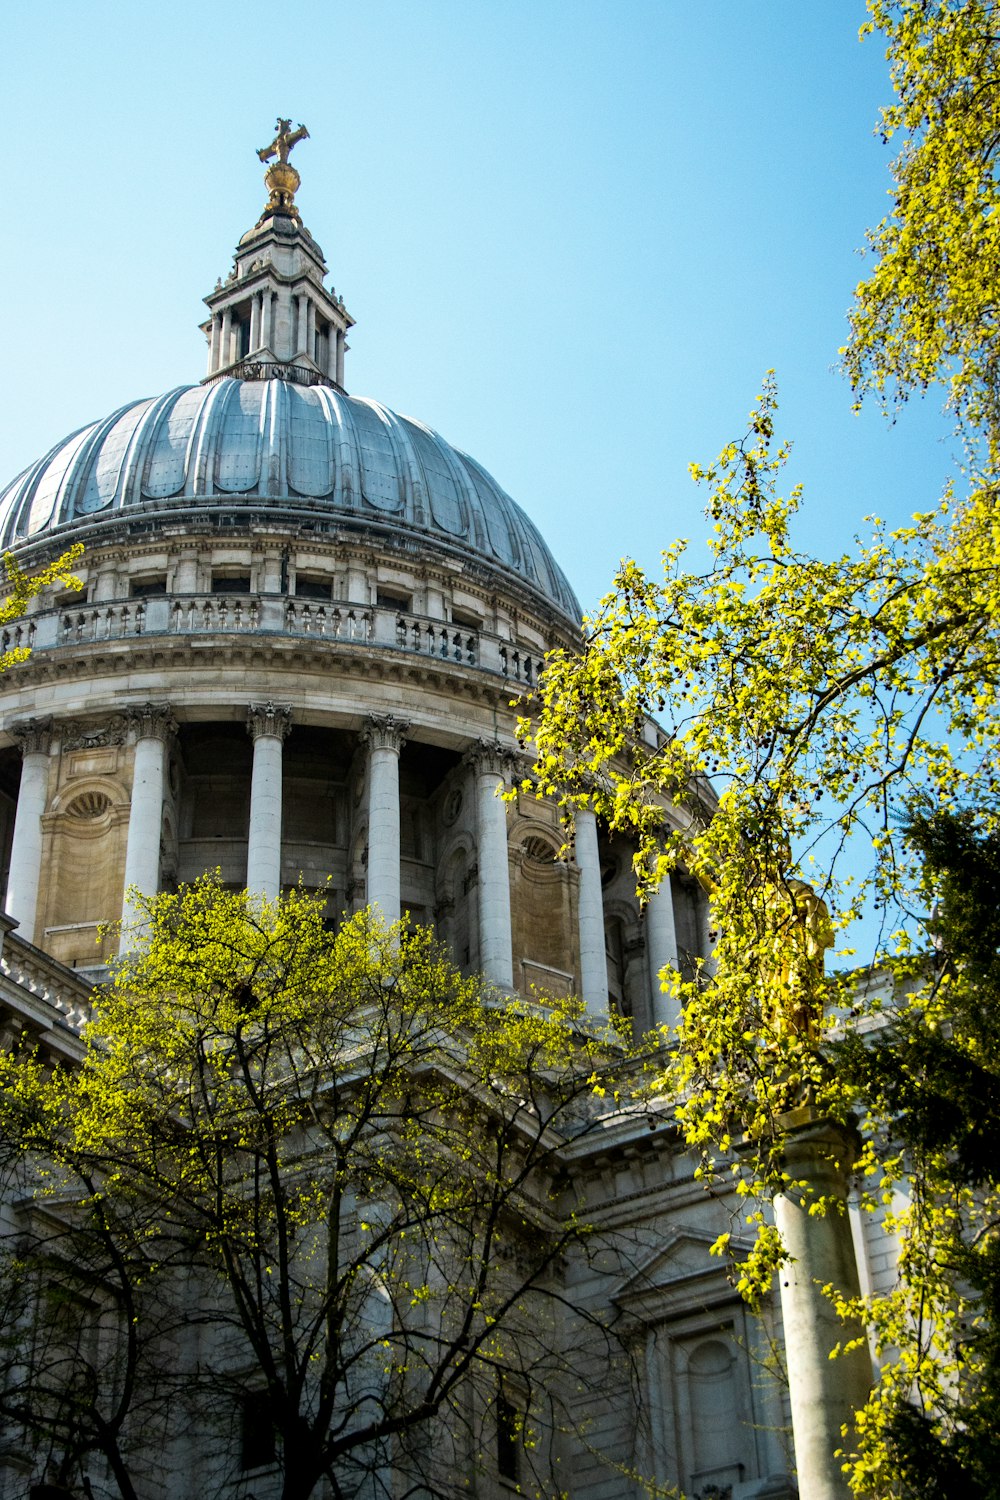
pixel 281 178
pixel 284 139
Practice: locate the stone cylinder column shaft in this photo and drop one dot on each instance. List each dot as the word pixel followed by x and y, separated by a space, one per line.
pixel 489 762
pixel 153 725
pixel 311 329
pixel 267 725
pixel 340 357
pixel 824 1392
pixel 661 950
pixel 213 347
pixel 225 339
pixel 590 911
pixel 267 301
pixel 34 737
pixel 255 306
pixel 384 736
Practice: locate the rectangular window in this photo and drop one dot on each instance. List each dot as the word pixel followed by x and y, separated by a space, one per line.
pixel 230 583
pixel 257 1447
pixel 393 599
pixel 312 588
pixel 508 1439
pixel 147 588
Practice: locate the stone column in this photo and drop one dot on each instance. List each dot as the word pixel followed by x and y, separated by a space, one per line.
pixel 267 300
pixel 384 736
pixel 825 1393
pixel 590 913
pixel 255 307
pixel 225 338
pixel 661 948
pixel 154 726
pixel 267 725
pixel 213 347
pixel 339 377
pixel 311 328
pixel 489 762
pixel 34 737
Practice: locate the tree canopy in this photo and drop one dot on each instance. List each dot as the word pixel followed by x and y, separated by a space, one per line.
pixel 818 717
pixel 928 312
pixel 306 1184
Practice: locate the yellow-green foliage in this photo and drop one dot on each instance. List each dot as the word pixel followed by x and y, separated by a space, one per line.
pixel 21 587
pixel 347 1146
pixel 927 312
pixel 806 704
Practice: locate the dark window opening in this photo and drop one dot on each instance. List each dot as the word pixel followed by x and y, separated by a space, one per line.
pixel 230 583
pixel 257 1446
pixel 508 1439
pixel 313 588
pixel 147 588
pixel 467 620
pixel 392 599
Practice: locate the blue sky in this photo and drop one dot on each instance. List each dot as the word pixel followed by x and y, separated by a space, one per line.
pixel 574 234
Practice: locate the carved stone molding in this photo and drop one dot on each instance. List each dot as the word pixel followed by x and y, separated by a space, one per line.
pixel 77 734
pixel 385 732
pixel 272 719
pixel 152 721
pixel 33 736
pixel 490 757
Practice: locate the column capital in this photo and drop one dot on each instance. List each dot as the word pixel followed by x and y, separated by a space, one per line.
pixel 385 732
pixel 152 721
pixel 33 736
pixel 490 756
pixel 271 719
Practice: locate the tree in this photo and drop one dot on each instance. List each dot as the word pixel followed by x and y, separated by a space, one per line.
pixel 309 1185
pixel 937 1077
pixel 20 587
pixel 818 712
pixel 929 310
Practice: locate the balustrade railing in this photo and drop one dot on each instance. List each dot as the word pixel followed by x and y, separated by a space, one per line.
pixel 271 614
pixel 28 968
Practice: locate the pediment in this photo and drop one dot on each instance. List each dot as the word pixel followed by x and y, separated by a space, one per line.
pixel 680 1274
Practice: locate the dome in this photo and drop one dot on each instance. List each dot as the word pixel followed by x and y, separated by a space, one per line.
pixel 302 450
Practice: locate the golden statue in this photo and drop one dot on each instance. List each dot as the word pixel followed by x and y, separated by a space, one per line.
pixel 801 933
pixel 281 179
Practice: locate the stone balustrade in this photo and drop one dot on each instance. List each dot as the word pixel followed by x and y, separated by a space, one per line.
pixel 46 981
pixel 273 614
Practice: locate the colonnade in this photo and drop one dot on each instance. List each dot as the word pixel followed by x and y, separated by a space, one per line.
pixel 489 764
pixel 280 318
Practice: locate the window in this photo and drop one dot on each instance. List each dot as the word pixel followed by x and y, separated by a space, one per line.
pixel 256 1431
pixel 148 588
pixel 508 1439
pixel 230 583
pixel 466 619
pixel 312 588
pixel 389 598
